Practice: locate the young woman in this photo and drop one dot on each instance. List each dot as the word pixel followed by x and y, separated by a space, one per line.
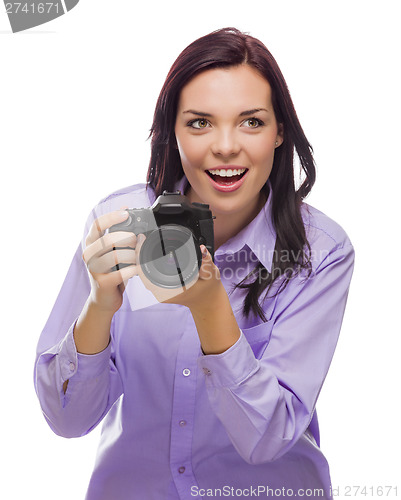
pixel 211 390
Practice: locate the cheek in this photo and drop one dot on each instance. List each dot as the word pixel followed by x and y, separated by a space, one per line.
pixel 191 152
pixel 263 152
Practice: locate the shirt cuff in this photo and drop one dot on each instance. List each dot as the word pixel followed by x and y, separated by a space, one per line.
pixel 81 366
pixel 231 367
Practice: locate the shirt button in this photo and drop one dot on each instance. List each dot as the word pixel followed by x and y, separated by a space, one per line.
pixel 181 470
pixel 186 372
pixel 72 367
pixel 183 423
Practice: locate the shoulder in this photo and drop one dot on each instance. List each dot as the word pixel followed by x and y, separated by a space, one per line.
pixel 135 196
pixel 132 196
pixel 325 236
pixel 321 227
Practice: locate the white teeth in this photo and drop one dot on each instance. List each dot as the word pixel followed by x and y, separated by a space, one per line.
pixel 227 172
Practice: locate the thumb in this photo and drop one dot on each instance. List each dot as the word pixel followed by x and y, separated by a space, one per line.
pixel 208 269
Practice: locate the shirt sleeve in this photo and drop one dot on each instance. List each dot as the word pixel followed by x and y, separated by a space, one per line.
pixel 93 380
pixel 266 400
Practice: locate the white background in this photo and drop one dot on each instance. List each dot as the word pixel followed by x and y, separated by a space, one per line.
pixel 76 103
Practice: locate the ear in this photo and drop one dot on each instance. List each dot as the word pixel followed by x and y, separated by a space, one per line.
pixel 280 135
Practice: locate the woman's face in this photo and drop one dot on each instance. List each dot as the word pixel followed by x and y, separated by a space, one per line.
pixel 226 134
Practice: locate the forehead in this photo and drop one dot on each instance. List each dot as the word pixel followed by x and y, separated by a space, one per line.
pixel 239 87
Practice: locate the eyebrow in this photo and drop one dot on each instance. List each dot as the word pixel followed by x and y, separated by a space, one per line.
pixel 243 113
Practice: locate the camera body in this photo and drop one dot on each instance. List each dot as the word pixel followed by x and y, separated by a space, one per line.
pixel 170 256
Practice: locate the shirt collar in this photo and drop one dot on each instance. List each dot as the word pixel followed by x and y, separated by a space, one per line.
pixel 258 236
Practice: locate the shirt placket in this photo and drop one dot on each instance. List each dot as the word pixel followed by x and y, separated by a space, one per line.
pixel 182 422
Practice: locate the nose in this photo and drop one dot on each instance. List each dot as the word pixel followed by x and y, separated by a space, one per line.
pixel 225 143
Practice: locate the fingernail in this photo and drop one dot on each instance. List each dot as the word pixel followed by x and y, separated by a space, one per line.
pixel 204 250
pixel 123 214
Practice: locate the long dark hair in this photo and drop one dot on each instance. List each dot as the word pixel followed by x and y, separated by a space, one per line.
pixel 221 49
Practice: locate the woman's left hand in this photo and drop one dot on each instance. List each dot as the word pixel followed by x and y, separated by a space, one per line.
pixel 208 302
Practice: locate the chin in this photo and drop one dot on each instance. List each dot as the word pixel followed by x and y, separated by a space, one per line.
pixel 226 208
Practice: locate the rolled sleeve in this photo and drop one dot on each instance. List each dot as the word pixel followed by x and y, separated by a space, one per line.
pixel 267 404
pixel 94 383
pixel 230 368
pixel 91 379
pixel 78 365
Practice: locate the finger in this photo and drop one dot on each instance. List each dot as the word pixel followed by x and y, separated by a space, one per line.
pixel 126 273
pixel 140 241
pixel 208 268
pixel 107 243
pixel 116 278
pixel 111 259
pixel 102 223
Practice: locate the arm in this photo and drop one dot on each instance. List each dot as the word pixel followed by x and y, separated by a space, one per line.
pixel 266 402
pixel 265 394
pixel 208 302
pixel 212 311
pixel 75 375
pixel 75 412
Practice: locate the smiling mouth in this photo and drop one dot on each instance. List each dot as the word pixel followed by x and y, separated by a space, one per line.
pixel 226 177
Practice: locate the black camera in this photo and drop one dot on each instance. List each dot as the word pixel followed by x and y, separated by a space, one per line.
pixel 170 256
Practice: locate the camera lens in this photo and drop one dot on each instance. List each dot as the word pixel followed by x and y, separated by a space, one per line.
pixel 170 256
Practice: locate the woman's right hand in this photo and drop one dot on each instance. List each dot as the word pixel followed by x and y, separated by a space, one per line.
pixel 102 253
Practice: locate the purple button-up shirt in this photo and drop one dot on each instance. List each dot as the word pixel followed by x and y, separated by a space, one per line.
pixel 178 424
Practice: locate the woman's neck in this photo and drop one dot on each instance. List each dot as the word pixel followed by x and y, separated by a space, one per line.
pixel 228 225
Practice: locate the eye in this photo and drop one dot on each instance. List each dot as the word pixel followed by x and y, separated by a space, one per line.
pixel 198 123
pixel 253 123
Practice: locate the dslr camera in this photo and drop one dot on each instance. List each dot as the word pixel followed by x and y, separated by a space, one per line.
pixel 170 256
